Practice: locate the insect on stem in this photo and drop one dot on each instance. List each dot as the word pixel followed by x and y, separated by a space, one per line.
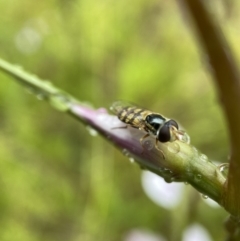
pixel 154 124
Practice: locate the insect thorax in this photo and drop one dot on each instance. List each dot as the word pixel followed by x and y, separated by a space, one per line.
pixel 154 122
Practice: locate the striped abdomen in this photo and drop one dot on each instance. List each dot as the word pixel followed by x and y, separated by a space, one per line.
pixel 133 116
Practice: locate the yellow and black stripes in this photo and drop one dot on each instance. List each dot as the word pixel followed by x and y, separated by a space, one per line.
pixel 130 115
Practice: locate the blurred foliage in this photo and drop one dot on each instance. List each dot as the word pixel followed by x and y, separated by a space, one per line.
pixel 58 182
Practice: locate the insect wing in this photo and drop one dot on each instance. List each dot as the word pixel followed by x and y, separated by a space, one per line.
pixel 119 106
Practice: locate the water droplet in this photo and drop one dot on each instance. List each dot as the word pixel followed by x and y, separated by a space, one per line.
pixel 167 171
pixel 38 93
pixel 125 152
pixel 198 177
pixel 203 158
pixel 91 131
pixel 189 173
pixel 186 183
pixel 223 168
pixel 131 159
pixel 160 171
pixel 168 175
pixel 63 98
pixel 174 147
pixel 60 101
pixel 41 96
pixel 185 138
pixel 168 180
pixel 204 196
pixel 174 179
pixel 148 145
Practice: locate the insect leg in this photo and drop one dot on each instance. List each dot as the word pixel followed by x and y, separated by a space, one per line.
pixel 120 127
pixel 177 133
pixel 141 141
pixel 144 137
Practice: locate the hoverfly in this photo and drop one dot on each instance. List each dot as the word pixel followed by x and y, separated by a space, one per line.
pixel 164 129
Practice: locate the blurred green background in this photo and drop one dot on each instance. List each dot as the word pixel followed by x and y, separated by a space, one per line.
pixel 57 182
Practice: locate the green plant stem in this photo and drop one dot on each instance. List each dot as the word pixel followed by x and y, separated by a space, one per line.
pixel 44 90
pixel 227 80
pixel 182 162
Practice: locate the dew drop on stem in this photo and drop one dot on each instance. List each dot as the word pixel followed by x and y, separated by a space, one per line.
pixel 203 158
pixel 60 101
pixel 41 96
pixel 131 159
pixel 168 180
pixel 223 168
pixel 185 138
pixel 148 145
pixel 125 152
pixel 91 131
pixel 204 196
pixel 198 177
